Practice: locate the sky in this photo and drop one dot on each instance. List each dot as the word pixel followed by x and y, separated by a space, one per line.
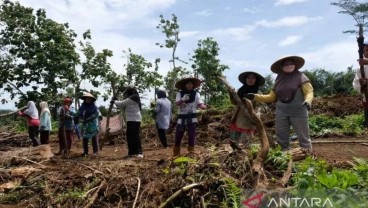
pixel 251 34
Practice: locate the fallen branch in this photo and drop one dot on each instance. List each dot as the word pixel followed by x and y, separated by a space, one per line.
pixel 107 132
pixel 181 191
pixel 137 194
pixel 14 112
pixel 31 161
pixel 94 170
pixel 95 195
pixel 285 179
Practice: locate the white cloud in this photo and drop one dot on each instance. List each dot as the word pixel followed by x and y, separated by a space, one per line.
pixel 290 40
pixel 290 21
pixel 250 10
pixel 236 33
pixel 204 13
pixel 184 34
pixel 335 57
pixel 287 2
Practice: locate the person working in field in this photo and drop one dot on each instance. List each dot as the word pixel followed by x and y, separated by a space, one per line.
pixel 188 101
pixel 293 94
pixel 45 123
pixel 33 121
pixel 66 125
pixel 163 116
pixel 132 106
pixel 242 129
pixel 88 115
pixel 360 84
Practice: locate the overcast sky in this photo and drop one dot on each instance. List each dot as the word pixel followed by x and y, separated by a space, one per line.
pixel 251 34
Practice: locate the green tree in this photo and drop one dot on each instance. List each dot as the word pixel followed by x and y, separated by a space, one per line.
pixel 359 12
pixel 171 30
pixel 207 65
pixel 269 84
pixel 94 68
pixel 35 52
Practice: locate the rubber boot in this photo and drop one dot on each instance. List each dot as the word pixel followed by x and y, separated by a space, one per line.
pixel 176 151
pixel 191 149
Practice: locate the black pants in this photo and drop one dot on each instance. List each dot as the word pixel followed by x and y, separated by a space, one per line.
pixel 33 135
pixel 133 138
pixel 365 122
pixel 44 136
pixel 162 136
pixel 94 145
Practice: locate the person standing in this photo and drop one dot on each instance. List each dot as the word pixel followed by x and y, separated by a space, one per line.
pixel 242 129
pixel 293 93
pixel 45 123
pixel 132 107
pixel 33 121
pixel 163 116
pixel 188 101
pixel 360 84
pixel 66 126
pixel 88 116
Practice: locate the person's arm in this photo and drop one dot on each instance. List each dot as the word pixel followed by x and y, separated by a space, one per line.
pixel 158 106
pixel 269 98
pixel 307 89
pixel 123 103
pixel 356 82
pixel 178 100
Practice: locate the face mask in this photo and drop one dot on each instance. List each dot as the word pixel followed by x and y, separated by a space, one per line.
pixel 288 68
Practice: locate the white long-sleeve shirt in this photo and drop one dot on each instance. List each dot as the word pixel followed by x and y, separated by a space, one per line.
pixel 358 75
pixel 132 111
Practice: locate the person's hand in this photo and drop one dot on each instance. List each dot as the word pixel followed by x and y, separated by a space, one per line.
pixel 202 106
pixel 362 81
pixel 185 98
pixel 363 61
pixel 308 105
pixel 66 107
pixel 250 96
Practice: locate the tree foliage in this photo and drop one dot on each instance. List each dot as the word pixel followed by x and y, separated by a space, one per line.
pixel 207 65
pixel 359 12
pixel 35 52
pixel 171 30
pixel 329 83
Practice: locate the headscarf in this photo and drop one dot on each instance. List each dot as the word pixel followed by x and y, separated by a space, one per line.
pixel 161 94
pixel 87 109
pixel 245 89
pixel 132 93
pixel 31 110
pixel 191 93
pixel 44 107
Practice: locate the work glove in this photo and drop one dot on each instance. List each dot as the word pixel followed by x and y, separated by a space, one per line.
pixel 185 97
pixel 308 105
pixel 250 96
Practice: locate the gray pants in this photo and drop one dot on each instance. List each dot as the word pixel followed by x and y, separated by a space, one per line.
pixel 300 126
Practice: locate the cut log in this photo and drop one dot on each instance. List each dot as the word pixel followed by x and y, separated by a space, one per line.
pixel 299 153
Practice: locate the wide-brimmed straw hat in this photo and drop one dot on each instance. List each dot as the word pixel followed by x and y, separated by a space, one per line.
pixel 181 83
pixel 86 95
pixel 243 77
pixel 277 66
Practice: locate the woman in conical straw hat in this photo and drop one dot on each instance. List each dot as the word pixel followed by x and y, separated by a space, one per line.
pixel 293 93
pixel 188 101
